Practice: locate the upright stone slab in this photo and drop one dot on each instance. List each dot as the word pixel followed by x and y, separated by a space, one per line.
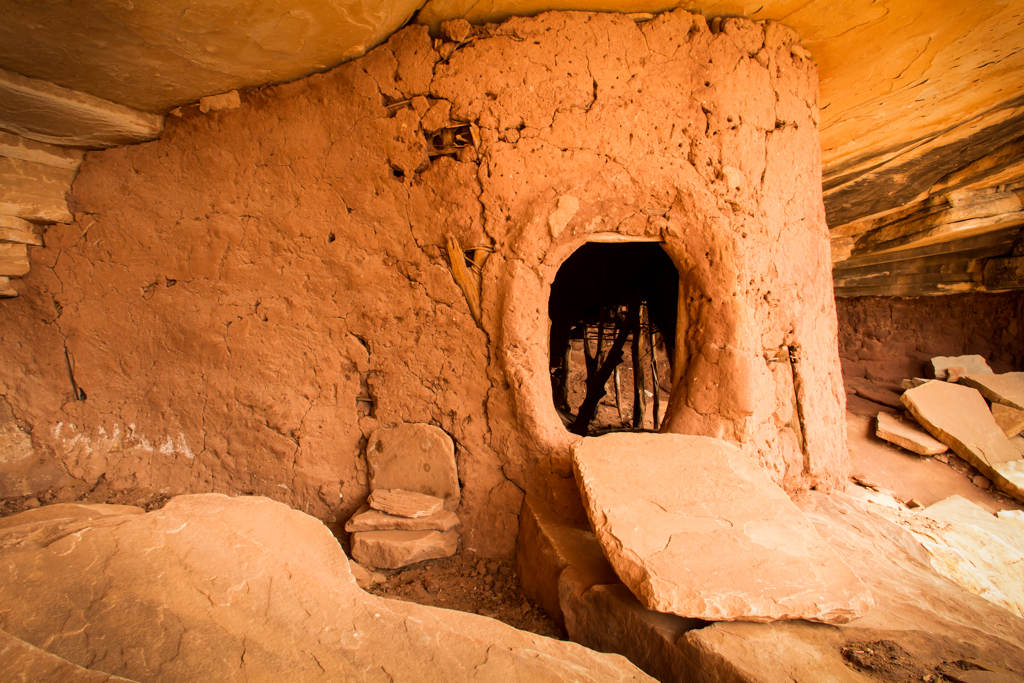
pixel 694 527
pixel 973 365
pixel 1007 389
pixel 414 457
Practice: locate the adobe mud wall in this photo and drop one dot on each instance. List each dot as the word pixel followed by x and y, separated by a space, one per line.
pixel 241 303
pixel 891 338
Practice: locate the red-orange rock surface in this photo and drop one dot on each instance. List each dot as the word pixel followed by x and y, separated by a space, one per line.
pixel 243 302
pixel 212 588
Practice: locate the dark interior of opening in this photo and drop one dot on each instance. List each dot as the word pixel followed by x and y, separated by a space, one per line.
pixel 613 326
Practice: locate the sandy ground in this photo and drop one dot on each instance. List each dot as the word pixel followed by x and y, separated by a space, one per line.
pixel 910 476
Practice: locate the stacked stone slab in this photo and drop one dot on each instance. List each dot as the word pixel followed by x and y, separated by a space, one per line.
pixel 414 488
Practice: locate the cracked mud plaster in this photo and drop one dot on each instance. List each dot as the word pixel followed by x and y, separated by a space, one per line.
pixel 247 298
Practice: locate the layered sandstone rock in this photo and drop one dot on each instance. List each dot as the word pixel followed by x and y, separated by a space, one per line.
pixel 907 435
pixel 1007 389
pixel 694 527
pixel 921 618
pixel 959 417
pixel 265 287
pixel 407 504
pixel 367 519
pixel 248 590
pixel 968 365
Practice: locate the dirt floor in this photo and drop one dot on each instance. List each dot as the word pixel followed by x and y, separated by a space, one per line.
pixel 491 587
pixel 908 476
pixel 466 584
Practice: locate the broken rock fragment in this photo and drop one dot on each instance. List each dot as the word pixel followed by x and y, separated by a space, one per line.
pixel 908 436
pixel 414 457
pixel 695 528
pixel 407 504
pixel 368 519
pixel 972 365
pixel 395 549
pixel 1010 420
pixel 959 417
pixel 1007 389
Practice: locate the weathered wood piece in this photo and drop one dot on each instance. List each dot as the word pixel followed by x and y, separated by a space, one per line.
pixel 942 233
pixel 639 381
pixel 1004 273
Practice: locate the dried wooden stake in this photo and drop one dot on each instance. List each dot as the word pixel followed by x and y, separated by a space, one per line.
pixel 465 278
pixel 654 375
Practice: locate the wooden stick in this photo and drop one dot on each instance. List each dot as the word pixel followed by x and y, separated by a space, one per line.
pixel 639 399
pixel 465 278
pixel 654 375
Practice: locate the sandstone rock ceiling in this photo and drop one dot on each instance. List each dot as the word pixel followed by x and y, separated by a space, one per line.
pixel 911 91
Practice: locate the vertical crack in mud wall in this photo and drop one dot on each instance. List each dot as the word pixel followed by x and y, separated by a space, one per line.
pixel 249 297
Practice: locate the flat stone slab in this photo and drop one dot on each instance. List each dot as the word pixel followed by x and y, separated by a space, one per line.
pixel 1010 420
pixel 409 504
pixel 414 457
pixel 907 435
pixel 368 519
pixel 395 549
pixel 1007 389
pixel 958 416
pixel 695 528
pixel 972 365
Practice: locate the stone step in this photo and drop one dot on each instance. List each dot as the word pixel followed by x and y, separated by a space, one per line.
pixel 396 549
pixel 694 527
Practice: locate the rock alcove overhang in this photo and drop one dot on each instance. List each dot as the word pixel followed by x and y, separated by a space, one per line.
pixel 226 342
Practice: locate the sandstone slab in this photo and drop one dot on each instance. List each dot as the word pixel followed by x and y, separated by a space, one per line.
pixel 13 259
pixel 545 547
pixel 694 527
pixel 21 661
pixel 908 436
pixel 414 457
pixel 1007 388
pixel 368 519
pixel 14 229
pixel 394 549
pixel 609 618
pixel 1014 517
pixel 17 147
pixel 248 590
pixel 972 365
pixel 41 111
pixel 1010 420
pixel 407 504
pixel 975 549
pixel 34 191
pixel 959 417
